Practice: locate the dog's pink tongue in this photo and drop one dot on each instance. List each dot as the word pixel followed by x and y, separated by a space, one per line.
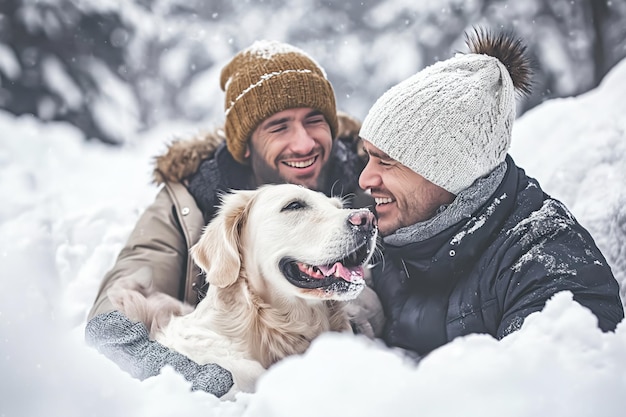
pixel 349 274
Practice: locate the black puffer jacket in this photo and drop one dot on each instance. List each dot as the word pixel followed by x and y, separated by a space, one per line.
pixel 486 274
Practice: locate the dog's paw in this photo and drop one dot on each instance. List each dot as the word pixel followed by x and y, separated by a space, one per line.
pixel 133 304
pixel 135 297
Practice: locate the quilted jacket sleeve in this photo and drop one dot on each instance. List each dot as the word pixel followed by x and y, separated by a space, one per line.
pixel 553 253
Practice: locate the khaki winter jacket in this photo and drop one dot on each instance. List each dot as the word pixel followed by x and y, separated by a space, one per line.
pixel 158 247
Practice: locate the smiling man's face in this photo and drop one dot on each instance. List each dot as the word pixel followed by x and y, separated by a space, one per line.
pixel 291 146
pixel 402 196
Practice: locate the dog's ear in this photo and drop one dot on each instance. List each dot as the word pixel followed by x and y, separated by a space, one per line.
pixel 218 251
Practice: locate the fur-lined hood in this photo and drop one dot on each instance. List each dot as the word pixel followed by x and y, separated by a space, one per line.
pixel 183 157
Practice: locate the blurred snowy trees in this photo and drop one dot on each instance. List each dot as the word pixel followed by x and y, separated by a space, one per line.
pixel 112 67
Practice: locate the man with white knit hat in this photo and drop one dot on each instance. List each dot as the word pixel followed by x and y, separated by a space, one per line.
pixel 471 244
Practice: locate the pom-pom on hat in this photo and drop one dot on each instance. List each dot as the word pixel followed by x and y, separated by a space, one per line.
pixel 451 122
pixel 266 78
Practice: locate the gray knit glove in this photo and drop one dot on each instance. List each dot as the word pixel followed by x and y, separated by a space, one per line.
pixel 127 344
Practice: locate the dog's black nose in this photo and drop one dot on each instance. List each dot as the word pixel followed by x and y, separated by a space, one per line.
pixel 364 219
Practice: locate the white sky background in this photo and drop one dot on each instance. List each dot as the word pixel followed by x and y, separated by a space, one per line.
pixel 68 206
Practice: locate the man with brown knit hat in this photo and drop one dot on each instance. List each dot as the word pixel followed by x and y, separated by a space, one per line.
pixel 281 126
pixel 471 243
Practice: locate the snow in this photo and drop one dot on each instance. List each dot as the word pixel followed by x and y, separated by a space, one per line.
pixel 9 65
pixel 68 205
pixel 478 221
pixel 116 109
pixel 559 364
pixel 266 49
pixel 57 80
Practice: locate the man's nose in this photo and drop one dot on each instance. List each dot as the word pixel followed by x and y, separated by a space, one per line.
pixel 368 179
pixel 301 142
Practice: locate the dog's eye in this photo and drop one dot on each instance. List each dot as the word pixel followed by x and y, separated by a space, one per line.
pixel 294 205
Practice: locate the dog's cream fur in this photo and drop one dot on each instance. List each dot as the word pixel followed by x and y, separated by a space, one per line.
pixel 252 315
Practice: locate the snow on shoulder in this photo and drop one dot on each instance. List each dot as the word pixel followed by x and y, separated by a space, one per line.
pixel 576 148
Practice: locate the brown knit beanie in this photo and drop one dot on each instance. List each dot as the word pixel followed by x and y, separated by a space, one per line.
pixel 266 78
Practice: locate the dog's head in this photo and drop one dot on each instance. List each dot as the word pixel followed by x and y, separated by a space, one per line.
pixel 288 240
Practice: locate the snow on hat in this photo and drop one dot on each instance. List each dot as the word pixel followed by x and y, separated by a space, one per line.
pixel 451 122
pixel 266 78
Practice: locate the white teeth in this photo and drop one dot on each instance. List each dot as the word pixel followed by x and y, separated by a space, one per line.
pixel 383 200
pixel 301 164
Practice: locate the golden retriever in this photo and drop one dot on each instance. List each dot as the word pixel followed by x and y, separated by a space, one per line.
pixel 279 261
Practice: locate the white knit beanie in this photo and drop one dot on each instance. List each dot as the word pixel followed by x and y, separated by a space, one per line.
pixel 451 122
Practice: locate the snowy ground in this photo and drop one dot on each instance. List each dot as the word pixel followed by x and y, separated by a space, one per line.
pixel 68 206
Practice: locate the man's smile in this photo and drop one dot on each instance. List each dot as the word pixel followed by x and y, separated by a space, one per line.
pixel 383 200
pixel 302 163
